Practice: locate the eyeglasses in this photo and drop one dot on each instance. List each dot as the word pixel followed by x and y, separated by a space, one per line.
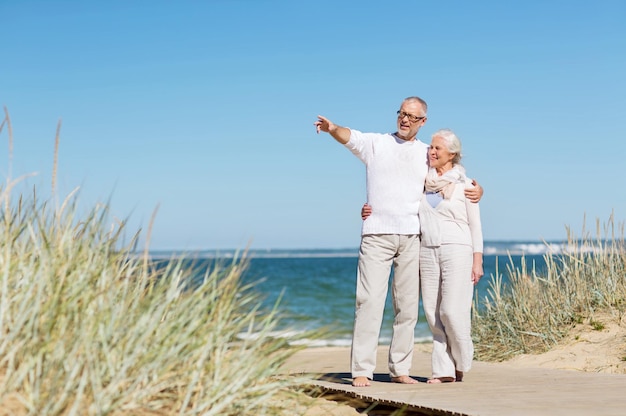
pixel 412 118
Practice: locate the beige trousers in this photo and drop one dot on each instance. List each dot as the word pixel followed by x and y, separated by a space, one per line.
pixel 447 290
pixel 378 253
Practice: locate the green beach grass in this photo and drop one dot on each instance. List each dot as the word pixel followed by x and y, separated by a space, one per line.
pixel 533 311
pixel 89 327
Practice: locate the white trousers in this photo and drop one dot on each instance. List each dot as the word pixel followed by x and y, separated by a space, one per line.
pixel 376 256
pixel 447 290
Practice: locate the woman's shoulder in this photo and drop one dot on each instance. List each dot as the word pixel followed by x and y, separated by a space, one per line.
pixel 458 172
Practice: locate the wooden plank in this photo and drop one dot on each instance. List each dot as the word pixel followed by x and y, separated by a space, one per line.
pixel 488 389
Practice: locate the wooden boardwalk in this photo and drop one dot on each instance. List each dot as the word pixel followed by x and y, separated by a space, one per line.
pixel 488 390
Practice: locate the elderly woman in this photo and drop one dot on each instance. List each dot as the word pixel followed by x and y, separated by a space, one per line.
pixel 451 260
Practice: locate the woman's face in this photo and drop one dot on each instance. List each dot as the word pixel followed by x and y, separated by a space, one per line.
pixel 438 154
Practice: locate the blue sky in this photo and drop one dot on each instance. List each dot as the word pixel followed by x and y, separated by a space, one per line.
pixel 206 109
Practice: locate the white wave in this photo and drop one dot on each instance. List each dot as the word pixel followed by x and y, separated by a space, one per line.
pixel 293 337
pixel 318 343
pixel 538 248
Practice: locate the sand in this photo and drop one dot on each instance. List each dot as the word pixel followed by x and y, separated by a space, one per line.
pixel 585 349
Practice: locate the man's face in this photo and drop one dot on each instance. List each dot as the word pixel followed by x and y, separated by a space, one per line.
pixel 407 128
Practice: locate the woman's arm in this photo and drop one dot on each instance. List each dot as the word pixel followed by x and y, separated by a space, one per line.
pixel 476 232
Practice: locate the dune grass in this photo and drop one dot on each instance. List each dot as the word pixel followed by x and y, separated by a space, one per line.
pixel 531 311
pixel 89 327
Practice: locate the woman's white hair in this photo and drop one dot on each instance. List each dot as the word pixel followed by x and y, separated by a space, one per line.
pixel 452 143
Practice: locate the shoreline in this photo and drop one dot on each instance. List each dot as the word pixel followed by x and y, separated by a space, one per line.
pixel 584 349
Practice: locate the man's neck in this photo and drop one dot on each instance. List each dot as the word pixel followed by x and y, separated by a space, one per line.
pixel 406 139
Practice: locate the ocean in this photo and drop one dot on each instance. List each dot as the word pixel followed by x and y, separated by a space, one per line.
pixel 315 288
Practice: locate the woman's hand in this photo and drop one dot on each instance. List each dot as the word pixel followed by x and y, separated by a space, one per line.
pixel 366 211
pixel 477 268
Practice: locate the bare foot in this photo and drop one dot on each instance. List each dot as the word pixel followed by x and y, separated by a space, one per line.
pixel 439 380
pixel 361 382
pixel 459 375
pixel 404 380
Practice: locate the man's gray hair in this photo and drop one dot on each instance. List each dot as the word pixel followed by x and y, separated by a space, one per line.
pixel 419 100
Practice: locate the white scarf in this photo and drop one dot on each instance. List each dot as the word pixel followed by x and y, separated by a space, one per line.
pixel 446 182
